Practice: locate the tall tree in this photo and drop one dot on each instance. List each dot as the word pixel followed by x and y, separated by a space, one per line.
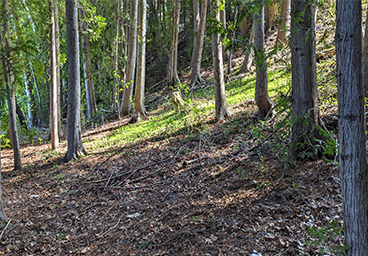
pixel 263 101
pixel 53 84
pixel 126 103
pixel 352 141
pixel 304 82
pixel 115 96
pixel 75 146
pixel 57 49
pixel 139 109
pixel 172 76
pixel 198 47
pixel 218 68
pixel 248 60
pixel 283 27
pixel 87 69
pixel 2 212
pixel 9 83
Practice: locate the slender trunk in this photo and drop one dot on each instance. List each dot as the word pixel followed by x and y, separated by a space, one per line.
pixel 139 109
pixel 196 21
pixel 58 87
pixel 21 117
pixel 218 69
pixel 173 77
pixel 28 94
pixel 53 85
pixel 75 146
pixel 263 101
pixel 283 28
pixel 270 15
pixel 198 48
pixel 9 84
pixel 126 103
pixel 352 141
pixel 365 60
pixel 115 97
pixel 248 58
pixel 3 217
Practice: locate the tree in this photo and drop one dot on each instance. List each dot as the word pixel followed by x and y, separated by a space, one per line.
pixel 9 83
pixel 139 109
pixel 198 47
pixel 75 146
pixel 2 212
pixel 353 162
pixel 305 108
pixel 172 76
pixel 283 27
pixel 248 60
pixel 218 68
pixel 263 101
pixel 54 84
pixel 126 103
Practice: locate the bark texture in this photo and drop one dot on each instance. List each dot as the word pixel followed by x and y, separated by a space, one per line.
pixel 172 76
pixel 53 84
pixel 248 58
pixel 126 104
pixel 263 101
pixel 9 81
pixel 283 27
pixel 75 146
pixel 2 212
pixel 304 82
pixel 198 47
pixel 139 109
pixel 218 69
pixel 353 162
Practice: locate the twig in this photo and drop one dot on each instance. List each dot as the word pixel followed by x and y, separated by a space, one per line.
pixel 111 175
pixel 110 228
pixel 2 233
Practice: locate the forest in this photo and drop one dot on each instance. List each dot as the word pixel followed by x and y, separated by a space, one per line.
pixel 183 127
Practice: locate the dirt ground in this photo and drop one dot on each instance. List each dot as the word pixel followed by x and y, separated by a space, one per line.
pixel 210 192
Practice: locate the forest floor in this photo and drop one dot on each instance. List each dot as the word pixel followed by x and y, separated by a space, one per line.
pixel 208 190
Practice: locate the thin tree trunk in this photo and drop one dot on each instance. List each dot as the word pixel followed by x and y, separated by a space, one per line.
pixel 263 101
pixel 139 109
pixel 270 15
pixel 218 69
pixel 21 117
pixel 284 26
pixel 53 84
pixel 196 21
pixel 173 77
pixel 28 95
pixel 115 97
pixel 9 84
pixel 126 103
pixel 58 87
pixel 365 60
pixel 352 141
pixel 198 48
pixel 248 58
pixel 3 217
pixel 75 146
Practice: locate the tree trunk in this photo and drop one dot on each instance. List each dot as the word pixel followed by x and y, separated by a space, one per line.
pixel 283 27
pixel 58 87
pixel 353 162
pixel 53 84
pixel 248 58
pixel 263 101
pixel 139 109
pixel 218 69
pixel 75 146
pixel 365 60
pixel 9 84
pixel 271 11
pixel 198 48
pixel 304 83
pixel 3 217
pixel 196 21
pixel 126 103
pixel 115 96
pixel 21 117
pixel 172 77
pixel 29 102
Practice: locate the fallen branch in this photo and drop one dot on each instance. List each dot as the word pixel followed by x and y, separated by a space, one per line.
pixel 2 233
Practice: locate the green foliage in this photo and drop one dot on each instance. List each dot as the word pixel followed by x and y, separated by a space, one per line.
pixel 328 238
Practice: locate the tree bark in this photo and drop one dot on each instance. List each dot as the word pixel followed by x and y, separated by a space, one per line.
pixel 75 146
pixel 173 77
pixel 126 103
pixel 263 101
pixel 353 162
pixel 53 84
pixel 58 80
pixel 139 109
pixel 3 217
pixel 270 15
pixel 248 58
pixel 115 96
pixel 283 27
pixel 365 59
pixel 218 69
pixel 196 21
pixel 9 84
